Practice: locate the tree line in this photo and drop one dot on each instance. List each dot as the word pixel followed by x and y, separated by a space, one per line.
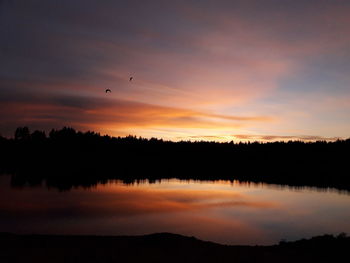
pixel 66 158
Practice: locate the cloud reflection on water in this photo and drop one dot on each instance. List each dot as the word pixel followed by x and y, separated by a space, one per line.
pixel 222 211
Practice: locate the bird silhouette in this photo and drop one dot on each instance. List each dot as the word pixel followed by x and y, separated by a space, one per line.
pixel 108 90
pixel 131 78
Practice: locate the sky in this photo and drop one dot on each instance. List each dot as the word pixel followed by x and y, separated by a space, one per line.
pixel 202 70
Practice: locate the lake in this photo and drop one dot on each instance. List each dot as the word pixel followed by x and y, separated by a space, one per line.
pixel 227 212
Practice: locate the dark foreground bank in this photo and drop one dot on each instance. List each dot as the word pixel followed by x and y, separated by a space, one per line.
pixel 164 248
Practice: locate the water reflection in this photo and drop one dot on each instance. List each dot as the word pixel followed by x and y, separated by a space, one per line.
pixel 222 211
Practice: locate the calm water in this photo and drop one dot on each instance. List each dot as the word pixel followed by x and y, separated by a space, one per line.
pixel 224 212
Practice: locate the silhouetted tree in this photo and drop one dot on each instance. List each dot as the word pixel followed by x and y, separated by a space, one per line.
pixel 22 133
pixel 38 136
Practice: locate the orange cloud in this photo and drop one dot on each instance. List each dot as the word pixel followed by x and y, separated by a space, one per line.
pixel 120 116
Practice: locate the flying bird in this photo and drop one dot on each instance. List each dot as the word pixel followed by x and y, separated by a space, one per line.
pixel 131 78
pixel 108 90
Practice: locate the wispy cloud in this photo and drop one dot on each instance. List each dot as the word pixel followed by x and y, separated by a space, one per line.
pixel 47 111
pixel 259 138
pixel 284 138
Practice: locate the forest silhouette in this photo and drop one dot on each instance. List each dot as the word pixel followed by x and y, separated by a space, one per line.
pixel 67 158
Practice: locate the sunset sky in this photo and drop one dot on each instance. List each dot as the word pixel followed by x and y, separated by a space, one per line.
pixel 212 70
